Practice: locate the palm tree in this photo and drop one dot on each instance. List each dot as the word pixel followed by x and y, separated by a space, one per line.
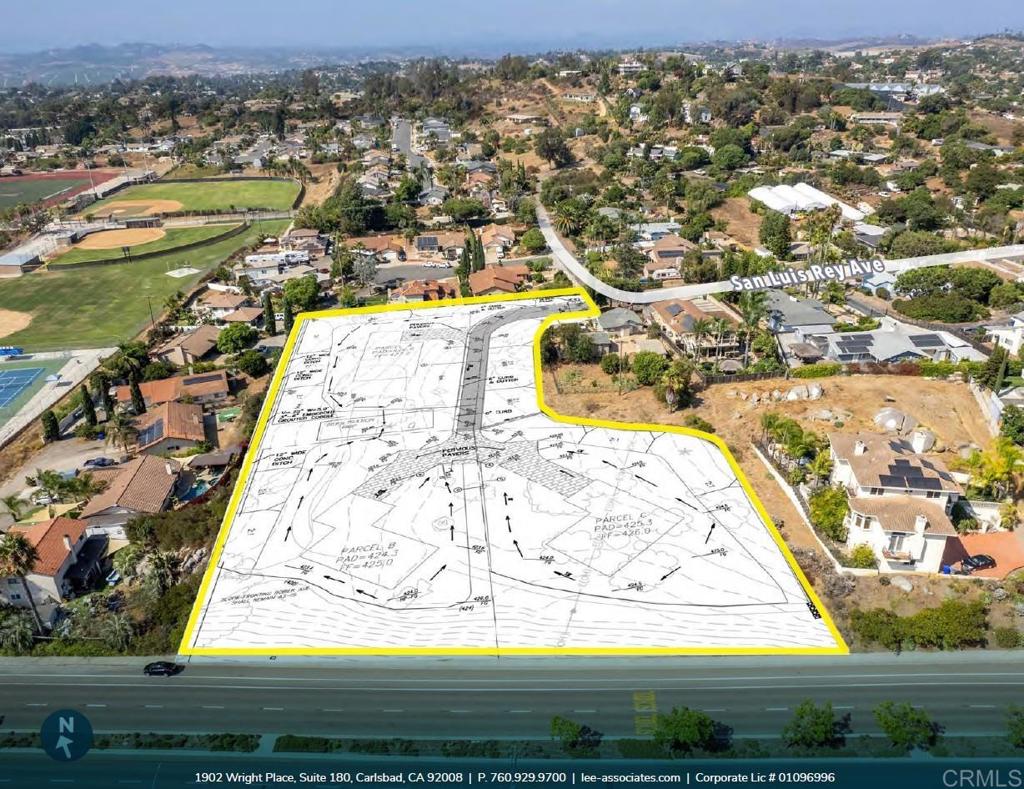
pixel 116 630
pixel 16 634
pixel 820 466
pixel 14 506
pixel 18 559
pixel 49 482
pixel 121 430
pixel 720 326
pixel 676 380
pixel 701 327
pixel 752 309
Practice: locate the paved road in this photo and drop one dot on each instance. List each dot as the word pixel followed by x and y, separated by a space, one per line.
pixel 578 272
pixel 391 273
pixel 507 697
pixel 401 138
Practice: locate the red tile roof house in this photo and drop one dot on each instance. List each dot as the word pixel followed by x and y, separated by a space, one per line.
pixel 426 290
pixel 142 486
pixel 170 427
pixel 498 279
pixel 58 543
pixel 209 387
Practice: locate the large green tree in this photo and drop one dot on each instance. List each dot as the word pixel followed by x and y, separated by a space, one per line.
pixel 18 559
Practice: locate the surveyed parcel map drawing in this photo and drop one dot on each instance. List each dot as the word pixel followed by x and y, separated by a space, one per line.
pixel 406 493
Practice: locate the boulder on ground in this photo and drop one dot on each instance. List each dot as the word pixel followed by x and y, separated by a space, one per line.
pixel 902 582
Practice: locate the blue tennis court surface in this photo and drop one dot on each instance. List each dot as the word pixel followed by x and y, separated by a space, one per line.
pixel 14 382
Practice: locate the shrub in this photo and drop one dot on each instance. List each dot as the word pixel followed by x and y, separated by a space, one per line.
pixel 611 363
pixel 862 557
pixel 252 363
pixel 236 338
pixel 648 367
pixel 828 510
pixel 818 370
pixel 954 624
pixel 883 293
pixel 1006 637
pixel 697 423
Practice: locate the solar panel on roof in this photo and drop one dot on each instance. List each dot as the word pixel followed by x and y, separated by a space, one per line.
pixel 151 432
pixel 673 309
pixel 890 481
pixel 202 379
pixel 927 340
pixel 928 483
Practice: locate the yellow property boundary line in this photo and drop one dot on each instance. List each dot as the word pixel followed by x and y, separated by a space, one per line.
pixel 592 310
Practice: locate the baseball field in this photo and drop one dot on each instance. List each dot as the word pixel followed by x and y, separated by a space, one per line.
pixel 108 244
pixel 99 306
pixel 170 196
pixel 17 190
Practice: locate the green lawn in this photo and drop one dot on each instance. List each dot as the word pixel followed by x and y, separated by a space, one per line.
pixel 14 191
pixel 175 237
pixel 209 195
pixel 99 306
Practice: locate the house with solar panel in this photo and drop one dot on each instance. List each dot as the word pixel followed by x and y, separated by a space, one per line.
pixel 895 342
pixel 900 501
pixel 170 428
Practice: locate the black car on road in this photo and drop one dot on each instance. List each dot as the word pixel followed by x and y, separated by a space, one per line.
pixel 162 668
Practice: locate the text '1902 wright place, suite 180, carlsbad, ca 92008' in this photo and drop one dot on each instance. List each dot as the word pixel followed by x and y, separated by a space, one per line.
pixel 407 492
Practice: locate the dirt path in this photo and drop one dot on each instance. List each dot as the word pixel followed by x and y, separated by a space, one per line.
pixel 327 180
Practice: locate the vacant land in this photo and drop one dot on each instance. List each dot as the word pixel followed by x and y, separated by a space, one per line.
pixel 100 306
pixel 742 223
pixel 201 196
pixel 108 243
pixel 948 409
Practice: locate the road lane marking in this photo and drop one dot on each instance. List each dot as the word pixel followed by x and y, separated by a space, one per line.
pixel 332 709
pixel 848 707
pixel 154 706
pixel 95 705
pixel 713 709
pixel 461 711
pixel 392 710
pixel 585 711
pixel 519 712
pixel 983 706
pixel 274 709
pixel 214 707
pixel 35 704
pixel 776 709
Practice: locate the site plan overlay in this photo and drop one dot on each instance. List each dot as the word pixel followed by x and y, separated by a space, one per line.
pixel 407 493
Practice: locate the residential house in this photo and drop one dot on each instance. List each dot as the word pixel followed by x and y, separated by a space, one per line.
pixel 703 327
pixel 170 427
pixel 581 96
pixel 426 290
pixel 434 196
pixel 666 257
pixel 1010 337
pixel 619 322
pixel 251 316
pixel 59 545
pixel 629 68
pixel 188 347
pixel 654 231
pixel 899 500
pixel 142 486
pixel 601 342
pixel 787 313
pixel 895 342
pixel 497 238
pixel 498 279
pixel 201 388
pixel 216 304
pixel 448 245
pixel 389 247
pixel 307 240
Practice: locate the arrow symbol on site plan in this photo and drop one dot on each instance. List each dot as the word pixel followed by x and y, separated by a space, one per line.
pixel 438 572
pixel 516 543
pixel 287 532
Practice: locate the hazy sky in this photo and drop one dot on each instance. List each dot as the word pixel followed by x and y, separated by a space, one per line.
pixel 494 25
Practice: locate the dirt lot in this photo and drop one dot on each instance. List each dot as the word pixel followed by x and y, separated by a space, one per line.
pixel 327 179
pixel 743 224
pixel 113 239
pixel 11 321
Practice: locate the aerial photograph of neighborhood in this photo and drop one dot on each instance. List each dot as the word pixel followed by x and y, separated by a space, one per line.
pixel 530 394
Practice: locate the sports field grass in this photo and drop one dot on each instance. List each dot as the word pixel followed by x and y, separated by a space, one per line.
pixel 208 195
pixel 174 237
pixel 14 191
pixel 99 306
pixel 47 367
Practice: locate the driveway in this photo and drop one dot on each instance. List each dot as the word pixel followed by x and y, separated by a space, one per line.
pixel 1006 547
pixel 64 455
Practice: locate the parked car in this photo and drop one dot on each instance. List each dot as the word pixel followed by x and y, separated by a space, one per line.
pixel 99 462
pixel 43 499
pixel 113 578
pixel 162 668
pixel 980 561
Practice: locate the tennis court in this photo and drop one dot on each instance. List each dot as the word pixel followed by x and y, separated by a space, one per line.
pixel 14 382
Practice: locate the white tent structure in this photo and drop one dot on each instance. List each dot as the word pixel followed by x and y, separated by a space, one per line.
pixel 789 200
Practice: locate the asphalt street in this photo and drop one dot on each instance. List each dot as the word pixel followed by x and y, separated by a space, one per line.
pixel 968 693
